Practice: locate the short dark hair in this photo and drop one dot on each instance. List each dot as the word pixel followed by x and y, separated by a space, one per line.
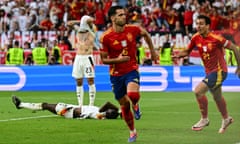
pixel 16 43
pixel 111 114
pixel 112 10
pixel 206 18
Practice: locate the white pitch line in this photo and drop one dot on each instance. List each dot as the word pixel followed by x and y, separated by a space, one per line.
pixel 26 118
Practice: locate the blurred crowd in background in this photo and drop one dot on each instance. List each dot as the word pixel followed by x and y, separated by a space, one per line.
pixel 166 18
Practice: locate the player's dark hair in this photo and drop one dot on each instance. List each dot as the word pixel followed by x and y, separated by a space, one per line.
pixel 206 18
pixel 111 114
pixel 112 10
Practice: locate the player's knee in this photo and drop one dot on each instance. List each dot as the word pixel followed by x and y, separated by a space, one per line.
pixel 79 82
pixel 134 96
pixel 90 81
pixel 44 105
pixel 124 101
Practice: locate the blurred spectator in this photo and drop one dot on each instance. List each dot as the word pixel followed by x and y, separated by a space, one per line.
pixel 164 30
pixel 90 7
pixel 56 53
pixel 52 60
pixel 63 36
pixel 43 4
pixel 188 20
pixel 165 51
pixel 177 5
pixel 230 58
pixel 100 19
pixel 46 24
pixel 141 53
pixel 27 53
pixel 6 7
pixel 172 17
pixel 153 28
pixel 177 30
pixel 40 54
pixel 78 9
pixel 62 26
pixel 56 13
pixel 12 24
pixel 134 11
pixel 27 46
pixel 147 18
pixel 215 19
pixel 15 55
pixel 33 23
pixel 34 40
pixel 42 14
pixel 146 5
pixel 66 14
pixel 3 22
pixel 63 46
pixel 106 6
pixel 194 18
pixel 23 20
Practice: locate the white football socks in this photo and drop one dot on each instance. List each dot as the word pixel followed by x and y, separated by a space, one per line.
pixel 31 106
pixel 80 95
pixel 92 94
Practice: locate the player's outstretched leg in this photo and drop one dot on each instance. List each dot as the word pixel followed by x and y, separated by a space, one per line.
pixel 225 123
pixel 16 101
pixel 203 122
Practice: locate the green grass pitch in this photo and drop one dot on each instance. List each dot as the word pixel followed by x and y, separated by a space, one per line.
pixel 167 119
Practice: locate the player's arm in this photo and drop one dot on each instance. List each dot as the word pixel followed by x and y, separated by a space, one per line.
pixel 236 52
pixel 148 40
pixel 72 22
pixel 183 53
pixel 106 60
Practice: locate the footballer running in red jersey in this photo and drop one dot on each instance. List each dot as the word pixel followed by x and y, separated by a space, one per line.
pixel 119 50
pixel 211 48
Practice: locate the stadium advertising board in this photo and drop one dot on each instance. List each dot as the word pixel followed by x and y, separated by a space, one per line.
pixel 153 78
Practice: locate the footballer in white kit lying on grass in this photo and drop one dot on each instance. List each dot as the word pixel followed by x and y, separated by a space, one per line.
pixel 107 111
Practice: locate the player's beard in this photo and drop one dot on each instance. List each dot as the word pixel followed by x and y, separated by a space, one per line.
pixel 121 23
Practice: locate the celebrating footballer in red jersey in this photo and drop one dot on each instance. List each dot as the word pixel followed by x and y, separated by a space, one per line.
pixel 119 51
pixel 122 44
pixel 211 48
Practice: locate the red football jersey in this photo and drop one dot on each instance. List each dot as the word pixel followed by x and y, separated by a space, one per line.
pixel 121 43
pixel 211 50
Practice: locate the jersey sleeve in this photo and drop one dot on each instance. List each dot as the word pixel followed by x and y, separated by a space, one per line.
pixel 226 43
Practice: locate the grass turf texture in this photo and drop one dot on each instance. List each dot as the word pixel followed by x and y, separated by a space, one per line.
pixel 167 119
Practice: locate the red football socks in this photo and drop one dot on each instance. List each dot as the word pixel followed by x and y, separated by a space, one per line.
pixel 128 117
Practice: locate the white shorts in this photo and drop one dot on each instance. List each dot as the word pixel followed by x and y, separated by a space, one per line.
pixel 83 66
pixel 66 110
